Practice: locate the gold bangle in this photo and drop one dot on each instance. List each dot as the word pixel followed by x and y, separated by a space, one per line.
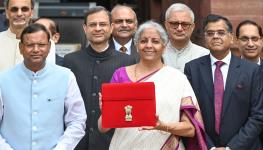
pixel 163 130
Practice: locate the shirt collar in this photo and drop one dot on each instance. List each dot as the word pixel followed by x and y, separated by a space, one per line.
pixel 30 73
pixel 226 60
pixel 118 46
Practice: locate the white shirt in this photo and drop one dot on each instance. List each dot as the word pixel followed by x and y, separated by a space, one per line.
pixel 10 53
pixel 127 45
pixel 51 57
pixel 178 58
pixel 224 68
pixel 259 61
pixel 74 117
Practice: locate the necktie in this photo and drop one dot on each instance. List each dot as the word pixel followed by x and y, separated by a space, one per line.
pixel 219 93
pixel 123 49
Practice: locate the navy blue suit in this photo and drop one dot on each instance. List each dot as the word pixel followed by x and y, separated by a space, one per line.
pixel 242 112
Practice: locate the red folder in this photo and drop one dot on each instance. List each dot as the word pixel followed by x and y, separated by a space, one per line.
pixel 128 104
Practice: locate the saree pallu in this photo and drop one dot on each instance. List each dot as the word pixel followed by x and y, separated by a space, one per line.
pixel 171 87
pixel 198 142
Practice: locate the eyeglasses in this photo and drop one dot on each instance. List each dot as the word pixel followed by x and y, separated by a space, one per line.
pixel 220 33
pixel 23 9
pixel 245 39
pixel 95 24
pixel 184 25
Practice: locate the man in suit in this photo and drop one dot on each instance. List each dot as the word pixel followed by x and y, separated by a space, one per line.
pixel 124 23
pixel 249 40
pixel 224 84
pixel 93 66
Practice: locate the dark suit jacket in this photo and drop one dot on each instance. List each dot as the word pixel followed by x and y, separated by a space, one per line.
pixel 3 22
pixel 134 52
pixel 59 60
pixel 259 78
pixel 242 114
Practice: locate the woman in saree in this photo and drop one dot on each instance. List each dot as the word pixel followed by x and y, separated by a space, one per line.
pixel 178 114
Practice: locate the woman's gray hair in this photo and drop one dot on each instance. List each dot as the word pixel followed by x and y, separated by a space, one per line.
pixel 179 7
pixel 151 24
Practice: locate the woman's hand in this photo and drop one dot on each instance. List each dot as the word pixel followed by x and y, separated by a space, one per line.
pixel 101 129
pixel 100 101
pixel 159 125
pixel 183 128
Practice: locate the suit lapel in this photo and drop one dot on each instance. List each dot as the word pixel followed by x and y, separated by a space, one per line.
pixel 206 73
pixel 232 76
pixel 111 43
pixel 134 52
pixel 133 49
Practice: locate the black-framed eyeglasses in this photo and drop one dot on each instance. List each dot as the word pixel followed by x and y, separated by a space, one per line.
pixel 23 9
pixel 220 33
pixel 176 24
pixel 245 39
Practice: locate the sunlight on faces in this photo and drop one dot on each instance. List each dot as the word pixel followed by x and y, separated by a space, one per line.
pixel 35 48
pixel 217 38
pixel 150 45
pixel 19 13
pixel 97 28
pixel 179 26
pixel 249 41
pixel 123 22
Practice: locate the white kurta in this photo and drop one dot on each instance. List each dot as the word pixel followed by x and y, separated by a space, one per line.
pixel 178 58
pixel 10 53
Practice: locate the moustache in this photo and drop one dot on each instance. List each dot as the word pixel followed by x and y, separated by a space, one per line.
pixel 124 30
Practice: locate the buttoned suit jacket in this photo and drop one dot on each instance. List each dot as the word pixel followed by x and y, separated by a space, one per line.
pixel 241 117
